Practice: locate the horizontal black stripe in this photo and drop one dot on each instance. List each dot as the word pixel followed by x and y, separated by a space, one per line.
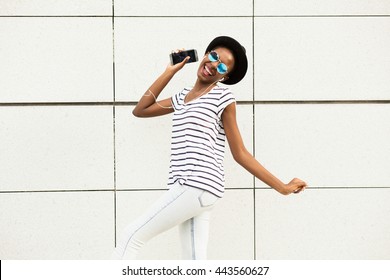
pixel 207 179
pixel 204 145
pixel 200 183
pixel 176 164
pixel 193 174
pixel 216 152
pixel 198 140
pixel 203 116
pixel 190 136
pixel 197 160
pixel 195 120
pixel 199 101
pixel 189 109
pixel 210 156
pixel 190 131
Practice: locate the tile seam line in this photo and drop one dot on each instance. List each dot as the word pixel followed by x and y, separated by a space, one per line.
pixel 115 201
pixel 57 191
pixel 205 16
pixel 255 244
pixel 256 16
pixel 240 102
pixel 227 189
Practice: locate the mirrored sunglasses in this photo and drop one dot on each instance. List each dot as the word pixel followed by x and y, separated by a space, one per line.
pixel 221 68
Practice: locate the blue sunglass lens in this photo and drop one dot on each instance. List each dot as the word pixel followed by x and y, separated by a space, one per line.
pixel 213 56
pixel 222 68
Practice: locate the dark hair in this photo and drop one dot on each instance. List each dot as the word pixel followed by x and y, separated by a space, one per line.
pixel 240 59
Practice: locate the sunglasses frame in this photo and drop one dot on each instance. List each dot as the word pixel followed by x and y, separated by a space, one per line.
pixel 213 59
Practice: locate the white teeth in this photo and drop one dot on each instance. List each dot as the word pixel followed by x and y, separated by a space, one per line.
pixel 208 70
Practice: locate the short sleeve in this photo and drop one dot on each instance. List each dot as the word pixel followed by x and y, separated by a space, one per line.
pixel 226 99
pixel 177 100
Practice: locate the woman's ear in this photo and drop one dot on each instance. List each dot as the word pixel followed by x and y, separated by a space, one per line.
pixel 224 78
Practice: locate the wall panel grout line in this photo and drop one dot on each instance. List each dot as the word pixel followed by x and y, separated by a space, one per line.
pixel 239 102
pixel 187 16
pixel 206 16
pixel 253 130
pixel 263 188
pixel 114 121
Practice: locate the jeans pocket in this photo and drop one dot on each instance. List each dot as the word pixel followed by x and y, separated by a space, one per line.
pixel 207 199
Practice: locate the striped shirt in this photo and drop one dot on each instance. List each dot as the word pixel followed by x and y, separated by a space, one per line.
pixel 198 140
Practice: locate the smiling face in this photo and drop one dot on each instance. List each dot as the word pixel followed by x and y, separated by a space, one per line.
pixel 207 71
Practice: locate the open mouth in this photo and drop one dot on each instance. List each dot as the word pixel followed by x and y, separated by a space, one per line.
pixel 207 71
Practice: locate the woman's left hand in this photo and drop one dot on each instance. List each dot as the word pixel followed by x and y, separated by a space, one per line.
pixel 295 186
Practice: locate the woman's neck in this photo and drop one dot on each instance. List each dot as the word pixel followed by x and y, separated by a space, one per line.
pixel 198 91
pixel 201 87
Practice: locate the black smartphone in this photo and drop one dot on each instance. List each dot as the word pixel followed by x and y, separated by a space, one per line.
pixel 180 56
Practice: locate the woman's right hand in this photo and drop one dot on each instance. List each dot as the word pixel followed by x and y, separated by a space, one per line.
pixel 176 67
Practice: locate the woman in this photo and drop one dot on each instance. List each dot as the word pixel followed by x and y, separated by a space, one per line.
pixel 203 116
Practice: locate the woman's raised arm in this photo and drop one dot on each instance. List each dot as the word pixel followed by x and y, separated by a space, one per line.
pixel 148 106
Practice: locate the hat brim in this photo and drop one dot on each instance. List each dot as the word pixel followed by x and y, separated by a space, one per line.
pixel 240 59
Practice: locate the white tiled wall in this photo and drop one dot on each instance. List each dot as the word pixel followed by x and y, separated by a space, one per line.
pixel 56 148
pixel 56 59
pixel 320 8
pixel 323 224
pixel 322 58
pixel 183 8
pixel 76 166
pixel 56 225
pixel 328 145
pixel 56 8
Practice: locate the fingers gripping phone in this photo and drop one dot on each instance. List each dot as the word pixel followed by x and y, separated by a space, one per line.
pixel 180 56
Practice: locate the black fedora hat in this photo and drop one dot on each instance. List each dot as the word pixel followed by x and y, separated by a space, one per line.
pixel 239 53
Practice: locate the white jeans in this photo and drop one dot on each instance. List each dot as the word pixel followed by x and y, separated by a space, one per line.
pixel 181 205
